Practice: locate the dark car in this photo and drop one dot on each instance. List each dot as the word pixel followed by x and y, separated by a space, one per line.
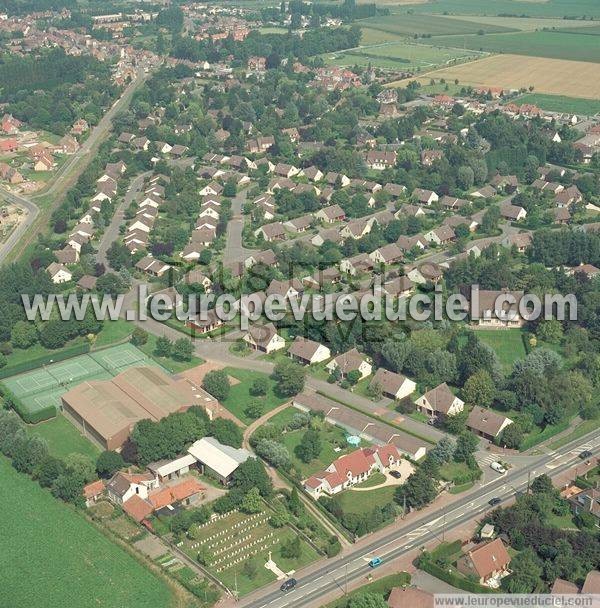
pixel 586 454
pixel 494 501
pixel 396 474
pixel 289 584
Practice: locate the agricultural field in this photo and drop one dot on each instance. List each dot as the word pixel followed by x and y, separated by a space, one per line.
pixel 236 547
pixel 70 563
pixel 555 45
pixel 551 8
pixel 560 103
pixel 526 24
pixel 548 76
pixel 410 25
pixel 400 56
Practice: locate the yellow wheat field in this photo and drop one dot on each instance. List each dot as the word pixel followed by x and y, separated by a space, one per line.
pixel 550 76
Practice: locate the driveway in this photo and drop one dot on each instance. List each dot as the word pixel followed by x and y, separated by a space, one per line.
pixel 234 250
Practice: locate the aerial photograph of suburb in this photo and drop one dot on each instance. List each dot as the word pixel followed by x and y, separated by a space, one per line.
pixel 299 303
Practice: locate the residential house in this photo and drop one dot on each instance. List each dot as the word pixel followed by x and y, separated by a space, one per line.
pixel 394 190
pixel 429 157
pixel 410 597
pixel 348 362
pixel 441 236
pixel 495 309
pixel 59 273
pixel 428 272
pixel 410 211
pixel 484 192
pixel 312 173
pixel 453 203
pixel 512 213
pixel 152 266
pixel 93 491
pixel 380 160
pixel 508 184
pixel 212 189
pixel 487 423
pixel 271 232
pixel 205 322
pixel 308 352
pixel 424 197
pixel 300 224
pixel 399 287
pixel 408 243
pixel 568 197
pixel 487 562
pixel 331 214
pixel 289 289
pixel 357 228
pixel 388 254
pixel 353 468
pixel 440 402
pixel 521 241
pixel 264 338
pixel 356 264
pixel 284 170
pixel 392 385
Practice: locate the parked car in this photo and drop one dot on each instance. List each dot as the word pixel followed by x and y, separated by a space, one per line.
pixel 289 584
pixel 494 501
pixel 376 561
pixel 585 455
pixel 396 474
pixel 498 468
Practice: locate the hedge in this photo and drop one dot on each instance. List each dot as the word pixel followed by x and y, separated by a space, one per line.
pixel 451 578
pixel 548 432
pixel 21 409
pixel 59 355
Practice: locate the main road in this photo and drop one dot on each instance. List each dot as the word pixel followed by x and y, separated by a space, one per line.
pixel 406 538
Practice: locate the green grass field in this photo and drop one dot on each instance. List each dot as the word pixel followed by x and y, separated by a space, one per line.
pixel 410 25
pixel 175 367
pixel 551 8
pixel 400 56
pixel 560 103
pixel 52 557
pixel 239 396
pixel 63 438
pixel 507 343
pixel 554 45
pixel 525 24
pixel 364 502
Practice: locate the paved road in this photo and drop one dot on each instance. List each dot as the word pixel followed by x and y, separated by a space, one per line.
pixel 234 250
pixel 111 233
pixel 408 537
pixel 64 178
pixel 27 220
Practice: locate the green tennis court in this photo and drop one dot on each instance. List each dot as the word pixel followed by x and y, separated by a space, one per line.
pixel 45 386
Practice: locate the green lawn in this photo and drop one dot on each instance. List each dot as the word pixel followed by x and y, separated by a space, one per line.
pixel 556 45
pixel 375 479
pixel 52 557
pixel 560 103
pixel 63 438
pixel 332 437
pixel 451 470
pixel 239 395
pixel 564 522
pixel 463 487
pixel 583 428
pixel 364 502
pixel 114 331
pixel 507 343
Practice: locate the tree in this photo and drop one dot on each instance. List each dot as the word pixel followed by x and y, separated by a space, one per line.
pixel 294 503
pixel 139 337
pixel 375 390
pixel 48 470
pixel 69 487
pixel 252 474
pixel 310 446
pixel 163 347
pixel 259 386
pixel 368 600
pixel 81 466
pixel 216 383
pixel 23 334
pixel 250 569
pixel 512 436
pixel 466 445
pixel 291 549
pixel 443 451
pixel 290 378
pixel 182 349
pixel 108 463
pixel 526 573
pixel 252 502
pixel 550 331
pixel 275 453
pixel 254 410
pixel 418 491
pixel 353 377
pixel 479 389
pixel 226 432
pixel 29 453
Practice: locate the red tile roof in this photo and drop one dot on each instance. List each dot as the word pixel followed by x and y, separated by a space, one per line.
pixel 93 489
pixel 137 508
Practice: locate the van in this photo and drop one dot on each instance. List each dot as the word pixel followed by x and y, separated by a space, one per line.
pixel 498 468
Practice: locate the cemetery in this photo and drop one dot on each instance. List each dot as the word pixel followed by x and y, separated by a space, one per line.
pixel 245 551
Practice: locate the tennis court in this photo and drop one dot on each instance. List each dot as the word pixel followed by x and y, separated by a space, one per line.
pixel 44 387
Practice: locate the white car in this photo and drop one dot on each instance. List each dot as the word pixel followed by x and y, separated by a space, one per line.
pixel 498 468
